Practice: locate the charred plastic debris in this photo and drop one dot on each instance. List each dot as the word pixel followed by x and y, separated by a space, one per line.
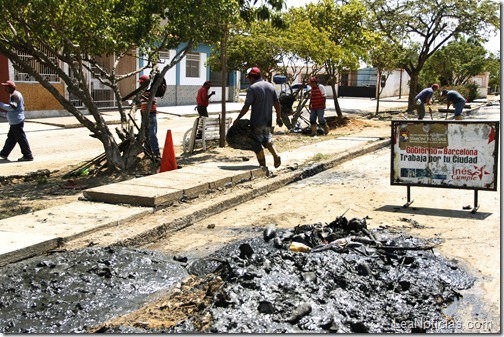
pixel 338 277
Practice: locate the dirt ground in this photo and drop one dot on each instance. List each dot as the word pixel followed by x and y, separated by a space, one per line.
pixel 32 193
pixel 471 240
pixel 357 187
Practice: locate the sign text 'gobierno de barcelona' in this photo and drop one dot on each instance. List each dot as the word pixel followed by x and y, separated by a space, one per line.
pixel 445 154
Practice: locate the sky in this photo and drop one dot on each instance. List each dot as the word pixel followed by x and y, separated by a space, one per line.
pixel 493 45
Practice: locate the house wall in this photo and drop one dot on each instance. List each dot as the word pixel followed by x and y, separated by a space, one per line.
pixel 37 97
pixel 397 85
pixel 181 89
pixel 482 82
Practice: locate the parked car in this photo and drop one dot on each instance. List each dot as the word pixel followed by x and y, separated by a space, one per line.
pixel 295 87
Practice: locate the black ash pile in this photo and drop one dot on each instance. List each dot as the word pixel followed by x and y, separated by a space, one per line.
pixel 339 277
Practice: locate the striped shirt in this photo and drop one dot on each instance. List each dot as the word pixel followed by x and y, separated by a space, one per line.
pixel 318 97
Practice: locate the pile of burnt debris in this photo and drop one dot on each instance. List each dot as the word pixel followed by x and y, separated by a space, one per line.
pixel 337 277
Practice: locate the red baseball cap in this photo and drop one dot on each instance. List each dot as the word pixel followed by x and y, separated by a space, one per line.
pixel 253 71
pixel 143 78
pixel 313 80
pixel 9 84
pixel 435 86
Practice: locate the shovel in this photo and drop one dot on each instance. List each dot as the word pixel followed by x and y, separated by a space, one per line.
pixel 430 112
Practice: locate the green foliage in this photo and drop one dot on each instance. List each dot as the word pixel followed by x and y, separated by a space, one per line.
pixel 469 91
pixel 420 28
pixel 70 37
pixel 457 62
pixel 493 67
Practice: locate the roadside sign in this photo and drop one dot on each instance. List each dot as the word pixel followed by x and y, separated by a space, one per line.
pixel 461 154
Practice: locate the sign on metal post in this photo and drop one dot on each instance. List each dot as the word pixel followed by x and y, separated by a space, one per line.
pixel 449 154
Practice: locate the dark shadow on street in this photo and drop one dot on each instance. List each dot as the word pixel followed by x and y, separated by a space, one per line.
pixel 239 168
pixel 449 213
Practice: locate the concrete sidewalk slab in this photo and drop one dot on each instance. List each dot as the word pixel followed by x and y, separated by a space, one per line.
pixel 19 245
pixel 170 186
pixel 35 233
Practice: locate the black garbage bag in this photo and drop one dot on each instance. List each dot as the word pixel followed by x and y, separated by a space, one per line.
pixel 286 102
pixel 241 137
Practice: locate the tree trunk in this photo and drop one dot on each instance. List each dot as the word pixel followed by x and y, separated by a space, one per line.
pixel 336 103
pixel 413 89
pixel 222 127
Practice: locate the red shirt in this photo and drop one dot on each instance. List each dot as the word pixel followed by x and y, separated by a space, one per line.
pixel 202 97
pixel 317 99
pixel 143 101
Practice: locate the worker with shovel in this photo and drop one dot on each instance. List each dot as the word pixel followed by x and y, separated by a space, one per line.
pixel 423 98
pixel 458 101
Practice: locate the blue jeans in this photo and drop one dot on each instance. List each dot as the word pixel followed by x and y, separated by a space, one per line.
pixel 459 106
pixel 154 144
pixel 317 113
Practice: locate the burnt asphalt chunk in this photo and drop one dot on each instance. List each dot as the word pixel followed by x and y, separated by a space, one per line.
pixel 38 232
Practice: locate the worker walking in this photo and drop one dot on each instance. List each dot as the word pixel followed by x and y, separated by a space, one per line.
pixel 15 117
pixel 262 97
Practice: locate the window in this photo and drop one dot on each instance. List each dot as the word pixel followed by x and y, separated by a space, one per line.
pixel 46 72
pixel 192 65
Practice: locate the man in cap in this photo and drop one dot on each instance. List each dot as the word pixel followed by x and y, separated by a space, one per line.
pixel 15 117
pixel 154 144
pixel 261 96
pixel 317 106
pixel 202 98
pixel 424 98
pixel 458 101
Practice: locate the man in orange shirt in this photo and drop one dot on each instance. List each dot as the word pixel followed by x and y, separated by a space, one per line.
pixel 202 99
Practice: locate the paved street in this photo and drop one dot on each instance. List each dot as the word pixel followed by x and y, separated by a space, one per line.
pixel 55 145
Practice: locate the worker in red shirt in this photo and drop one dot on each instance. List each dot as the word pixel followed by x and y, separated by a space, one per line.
pixel 202 99
pixel 153 140
pixel 317 106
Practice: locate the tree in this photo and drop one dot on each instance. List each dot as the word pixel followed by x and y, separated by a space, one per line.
pixel 455 63
pixel 420 28
pixel 385 57
pixel 493 66
pixel 248 11
pixel 346 28
pixel 68 37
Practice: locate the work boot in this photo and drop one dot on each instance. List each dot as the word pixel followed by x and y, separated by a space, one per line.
pixel 261 158
pixel 459 118
pixel 326 128
pixel 313 130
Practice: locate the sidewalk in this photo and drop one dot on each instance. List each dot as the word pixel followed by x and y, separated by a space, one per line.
pixel 110 205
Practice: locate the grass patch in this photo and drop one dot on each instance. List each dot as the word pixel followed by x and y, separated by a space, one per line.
pixel 319 157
